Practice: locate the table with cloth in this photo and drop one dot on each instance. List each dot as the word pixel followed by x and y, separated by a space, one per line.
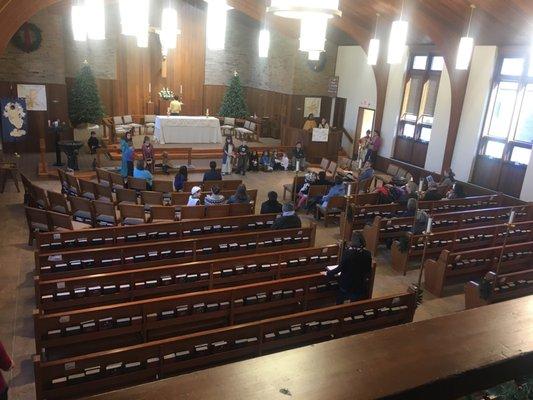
pixel 184 129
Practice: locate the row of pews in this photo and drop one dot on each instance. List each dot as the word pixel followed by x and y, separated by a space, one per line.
pixel 120 306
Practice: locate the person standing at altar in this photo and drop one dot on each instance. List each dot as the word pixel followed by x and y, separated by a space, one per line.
pixel 227 156
pixel 148 154
pixel 175 106
pixel 243 152
pixel 323 124
pixel 310 123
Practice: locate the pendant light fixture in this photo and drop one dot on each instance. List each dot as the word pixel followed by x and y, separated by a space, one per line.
pixel 397 39
pixel 217 13
pixel 373 46
pixel 169 27
pixel 314 56
pixel 466 46
pixel 95 15
pixel 264 43
pixel 79 22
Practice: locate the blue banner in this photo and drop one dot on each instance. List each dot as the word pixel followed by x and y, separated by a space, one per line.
pixel 14 119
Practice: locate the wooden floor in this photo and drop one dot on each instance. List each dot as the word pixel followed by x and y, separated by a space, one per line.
pixel 17 266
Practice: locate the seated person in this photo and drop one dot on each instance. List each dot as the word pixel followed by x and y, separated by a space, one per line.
pixel 432 193
pixel 322 180
pixel 265 161
pixel 180 178
pixel 412 206
pixel 253 165
pixel 288 218
pixel 194 198
pixel 214 198
pixel 298 155
pixel 140 172
pixel 409 191
pixel 93 142
pixel 212 174
pixel 448 178
pixel 272 205
pixel 456 192
pixel 367 172
pixel 339 189
pixel 354 271
pixel 275 161
pixel 303 193
pixel 309 123
pixel 240 196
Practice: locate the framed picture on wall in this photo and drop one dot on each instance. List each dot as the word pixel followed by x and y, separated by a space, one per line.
pixel 312 106
pixel 320 135
pixel 35 96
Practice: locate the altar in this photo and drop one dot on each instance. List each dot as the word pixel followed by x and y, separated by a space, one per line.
pixel 185 129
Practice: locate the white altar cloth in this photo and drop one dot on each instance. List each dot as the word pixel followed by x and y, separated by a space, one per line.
pixel 183 129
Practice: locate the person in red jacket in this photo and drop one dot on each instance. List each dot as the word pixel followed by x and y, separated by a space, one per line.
pixel 5 364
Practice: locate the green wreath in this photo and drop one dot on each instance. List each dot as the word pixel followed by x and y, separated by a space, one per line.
pixel 28 38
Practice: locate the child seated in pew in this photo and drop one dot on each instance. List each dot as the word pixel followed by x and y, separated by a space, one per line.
pixel 265 161
pixel 301 197
pixel 140 172
pixel 240 196
pixel 180 178
pixel 214 198
pixel 194 198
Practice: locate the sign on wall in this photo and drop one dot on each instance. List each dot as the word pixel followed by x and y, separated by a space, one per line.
pixel 333 86
pixel 14 119
pixel 320 135
pixel 312 106
pixel 35 96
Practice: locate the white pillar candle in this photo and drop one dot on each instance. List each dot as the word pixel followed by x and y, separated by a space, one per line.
pixel 181 89
pixel 360 163
pixel 207 112
pixel 420 185
pixel 150 88
pixel 297 165
pixel 349 190
pixel 511 216
pixel 428 227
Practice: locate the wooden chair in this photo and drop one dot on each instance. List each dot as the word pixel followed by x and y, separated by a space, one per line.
pixel 104 213
pixel 240 209
pixel 37 222
pixel 82 209
pixel 292 188
pixel 162 214
pixel 324 164
pixel 126 196
pixel 104 193
pixel 87 189
pixel 332 168
pixel 316 191
pixel 103 177
pixel 149 199
pixel 26 183
pixel 63 180
pixel 336 205
pixel 117 180
pixel 192 212
pixel 58 203
pixel 131 214
pixel 73 185
pixel 40 200
pixel 60 221
pixel 136 184
pixel 219 211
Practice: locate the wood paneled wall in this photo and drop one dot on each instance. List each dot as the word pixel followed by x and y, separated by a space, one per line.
pixel 56 96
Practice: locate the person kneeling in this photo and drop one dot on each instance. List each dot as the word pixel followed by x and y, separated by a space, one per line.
pixel 288 218
pixel 354 271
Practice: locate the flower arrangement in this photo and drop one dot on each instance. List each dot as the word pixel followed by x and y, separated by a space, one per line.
pixel 166 94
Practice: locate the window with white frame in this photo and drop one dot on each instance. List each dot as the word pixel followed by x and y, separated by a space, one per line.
pixel 420 97
pixel 508 127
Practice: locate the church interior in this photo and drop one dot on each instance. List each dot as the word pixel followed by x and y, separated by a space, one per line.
pixel 266 199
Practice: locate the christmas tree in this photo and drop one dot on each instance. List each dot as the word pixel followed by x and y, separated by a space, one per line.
pixel 233 104
pixel 84 105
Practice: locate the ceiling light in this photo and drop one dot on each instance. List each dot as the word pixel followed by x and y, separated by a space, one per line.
pixel 264 43
pixel 79 26
pixel 169 28
pixel 217 12
pixel 298 9
pixel 128 16
pixel 466 46
pixel 95 16
pixel 143 23
pixel 313 33
pixel 373 46
pixel 397 40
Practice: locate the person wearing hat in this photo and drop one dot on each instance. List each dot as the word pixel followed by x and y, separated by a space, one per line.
pixel 354 271
pixel 194 198
pixel 288 218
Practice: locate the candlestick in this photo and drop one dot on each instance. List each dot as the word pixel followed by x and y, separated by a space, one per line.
pixel 181 89
pixel 207 112
pixel 511 217
pixel 349 190
pixel 428 227
pixel 150 88
pixel 297 165
pixel 360 163
pixel 420 185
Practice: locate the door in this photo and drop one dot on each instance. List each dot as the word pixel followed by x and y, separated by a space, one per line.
pixel 365 122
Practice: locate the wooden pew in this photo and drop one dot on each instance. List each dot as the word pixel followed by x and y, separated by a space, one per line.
pixel 107 370
pixel 226 185
pixel 181 198
pixel 451 268
pixel 150 233
pixel 360 215
pixel 69 263
pixel 384 228
pixel 107 327
pixel 503 287
pixel 71 293
pixel 457 240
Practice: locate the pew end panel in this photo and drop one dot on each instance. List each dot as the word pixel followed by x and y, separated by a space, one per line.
pixel 435 274
pixel 371 235
pixel 399 258
pixel 473 296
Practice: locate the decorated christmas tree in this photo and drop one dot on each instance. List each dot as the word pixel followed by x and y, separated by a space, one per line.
pixel 233 104
pixel 84 105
